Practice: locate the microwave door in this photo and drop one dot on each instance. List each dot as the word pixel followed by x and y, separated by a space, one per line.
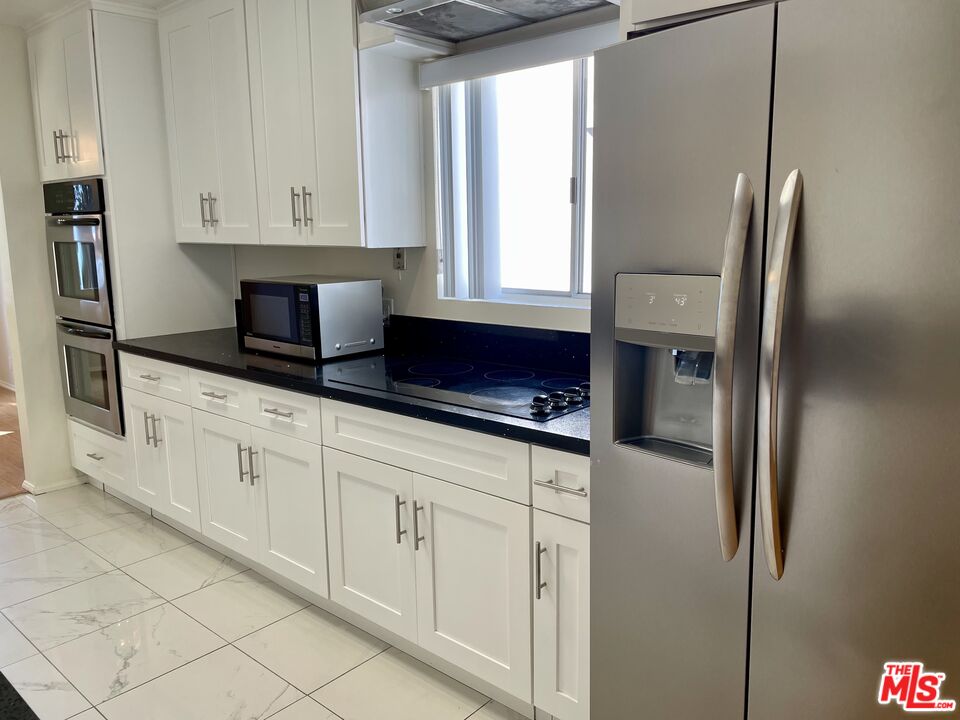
pixel 88 371
pixel 78 268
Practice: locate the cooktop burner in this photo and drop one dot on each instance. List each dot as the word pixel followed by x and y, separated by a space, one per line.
pixel 519 392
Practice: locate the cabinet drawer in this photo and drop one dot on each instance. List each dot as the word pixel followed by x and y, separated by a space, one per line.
pixel 490 464
pixel 102 457
pixel 220 395
pixel 285 412
pixel 155 377
pixel 561 483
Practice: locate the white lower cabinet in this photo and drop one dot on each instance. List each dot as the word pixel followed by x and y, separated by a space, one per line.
pixel 561 616
pixel 370 521
pixel 227 482
pixel 473 582
pixel 290 518
pixel 164 477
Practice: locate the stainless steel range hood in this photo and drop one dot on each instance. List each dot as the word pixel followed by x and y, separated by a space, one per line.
pixel 457 20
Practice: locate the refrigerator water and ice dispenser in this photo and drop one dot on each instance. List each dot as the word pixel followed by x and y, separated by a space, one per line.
pixel 666 327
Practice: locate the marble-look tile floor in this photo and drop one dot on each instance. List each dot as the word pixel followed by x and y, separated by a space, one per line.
pixel 109 614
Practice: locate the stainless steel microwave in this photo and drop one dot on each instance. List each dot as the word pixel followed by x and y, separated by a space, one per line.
pixel 311 317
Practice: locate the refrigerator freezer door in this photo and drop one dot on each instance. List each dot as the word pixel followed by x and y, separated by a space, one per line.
pixel 679 115
pixel 868 108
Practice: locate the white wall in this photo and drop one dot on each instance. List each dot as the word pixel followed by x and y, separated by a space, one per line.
pixel 23 264
pixel 6 351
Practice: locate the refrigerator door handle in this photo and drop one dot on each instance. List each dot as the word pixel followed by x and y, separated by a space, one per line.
pixel 726 341
pixel 767 395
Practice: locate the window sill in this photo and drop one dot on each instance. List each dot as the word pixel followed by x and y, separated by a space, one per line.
pixel 539 301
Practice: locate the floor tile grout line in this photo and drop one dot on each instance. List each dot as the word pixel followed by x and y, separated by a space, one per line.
pixel 489 700
pixel 70 585
pixel 141 612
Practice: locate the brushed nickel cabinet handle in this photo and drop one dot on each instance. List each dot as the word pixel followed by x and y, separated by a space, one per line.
pixel 64 138
pixel 417 537
pixel 94 456
pixel 557 487
pixel 305 199
pixel 279 413
pixel 768 391
pixel 146 428
pixel 150 378
pixel 212 203
pixel 203 211
pixel 397 504
pixel 156 435
pixel 253 473
pixel 56 146
pixel 240 461
pixel 214 396
pixel 294 197
pixel 538 573
pixel 726 342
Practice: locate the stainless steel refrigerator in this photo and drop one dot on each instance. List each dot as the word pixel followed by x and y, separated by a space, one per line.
pixel 776 362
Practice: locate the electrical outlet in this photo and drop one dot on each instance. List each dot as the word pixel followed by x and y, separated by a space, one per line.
pixel 387 308
pixel 400 259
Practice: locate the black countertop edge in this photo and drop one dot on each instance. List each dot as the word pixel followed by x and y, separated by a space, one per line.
pixel 568 433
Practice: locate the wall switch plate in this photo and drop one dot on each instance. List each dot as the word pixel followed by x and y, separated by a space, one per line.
pixel 400 259
pixel 387 308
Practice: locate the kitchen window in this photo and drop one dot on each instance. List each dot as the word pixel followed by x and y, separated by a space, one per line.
pixel 514 160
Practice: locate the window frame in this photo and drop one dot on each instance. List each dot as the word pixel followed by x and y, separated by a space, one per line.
pixel 468 255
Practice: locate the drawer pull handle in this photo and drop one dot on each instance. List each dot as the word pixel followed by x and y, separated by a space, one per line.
pixel 94 456
pixel 557 487
pixel 240 451
pixel 214 396
pixel 279 413
pixel 150 378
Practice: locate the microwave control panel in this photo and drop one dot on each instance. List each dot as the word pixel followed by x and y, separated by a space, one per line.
pixel 304 318
pixel 684 304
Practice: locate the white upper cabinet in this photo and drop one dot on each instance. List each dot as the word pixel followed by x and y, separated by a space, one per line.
pixel 652 12
pixel 204 57
pixel 303 82
pixel 66 111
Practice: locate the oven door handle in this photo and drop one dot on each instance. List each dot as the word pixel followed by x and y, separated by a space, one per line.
pixel 85 333
pixel 78 221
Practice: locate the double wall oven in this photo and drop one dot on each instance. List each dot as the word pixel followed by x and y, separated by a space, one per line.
pixel 80 277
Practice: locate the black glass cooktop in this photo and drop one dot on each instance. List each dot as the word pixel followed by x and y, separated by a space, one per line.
pixel 505 389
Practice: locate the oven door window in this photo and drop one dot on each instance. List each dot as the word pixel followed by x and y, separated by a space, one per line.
pixel 87 376
pixel 77 275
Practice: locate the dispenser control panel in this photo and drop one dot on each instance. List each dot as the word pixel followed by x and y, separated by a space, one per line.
pixel 676 304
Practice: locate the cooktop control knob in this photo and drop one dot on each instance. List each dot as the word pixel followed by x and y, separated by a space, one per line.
pixel 540 405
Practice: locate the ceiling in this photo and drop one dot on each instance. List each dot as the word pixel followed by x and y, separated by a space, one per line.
pixel 24 13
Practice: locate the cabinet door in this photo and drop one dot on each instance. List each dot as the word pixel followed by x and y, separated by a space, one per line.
pixel 228 508
pixel 64 96
pixel 278 42
pixel 335 206
pixel 371 542
pixel 291 529
pixel 561 617
pixel 203 53
pixel 146 483
pixel 473 582
pixel 656 11
pixel 177 462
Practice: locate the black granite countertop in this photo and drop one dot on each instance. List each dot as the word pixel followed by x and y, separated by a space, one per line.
pixel 218 351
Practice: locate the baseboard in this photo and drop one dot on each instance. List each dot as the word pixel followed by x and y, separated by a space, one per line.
pixel 33 489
